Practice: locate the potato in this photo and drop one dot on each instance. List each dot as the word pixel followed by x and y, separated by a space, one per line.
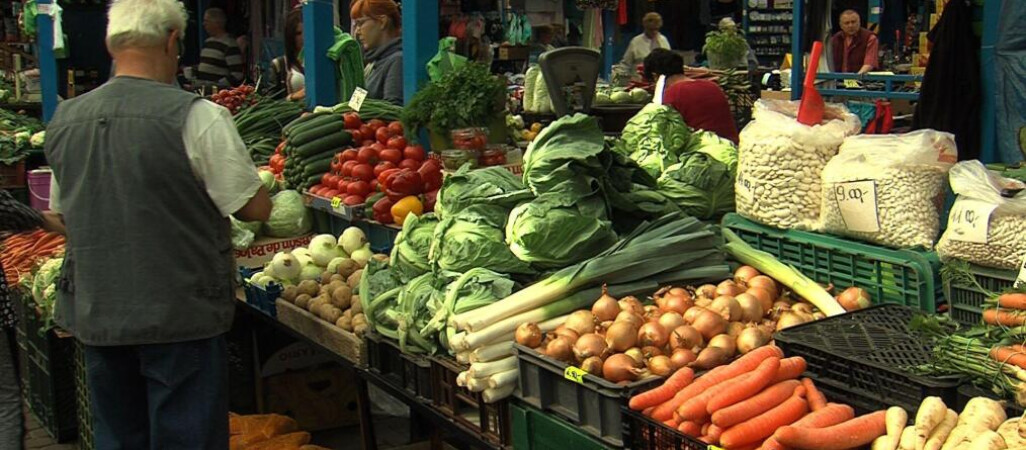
pixel 358 319
pixel 360 329
pixel 331 313
pixel 342 297
pixel 337 277
pixel 348 313
pixel 354 279
pixel 347 267
pixel 309 287
pixel 320 300
pixel 380 257
pixel 325 289
pixel 344 323
pixel 290 293
pixel 336 284
pixel 326 277
pixel 355 305
pixel 303 300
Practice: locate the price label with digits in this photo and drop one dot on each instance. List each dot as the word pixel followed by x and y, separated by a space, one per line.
pixel 857 203
pixel 969 220
pixel 356 101
pixel 1021 279
pixel 744 187
pixel 336 202
pixel 575 374
pixel 851 84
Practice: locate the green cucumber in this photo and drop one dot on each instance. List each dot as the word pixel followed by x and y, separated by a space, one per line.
pixel 300 121
pixel 315 123
pixel 317 167
pixel 302 138
pixel 333 142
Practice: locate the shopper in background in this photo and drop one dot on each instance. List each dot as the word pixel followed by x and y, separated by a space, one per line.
pixel 854 49
pixel 287 70
pixel 644 43
pixel 15 217
pixel 145 189
pixel 221 61
pixel 701 103
pixel 377 24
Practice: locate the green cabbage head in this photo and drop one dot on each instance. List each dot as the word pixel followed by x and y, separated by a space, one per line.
pixel 553 231
pixel 289 216
pixel 410 253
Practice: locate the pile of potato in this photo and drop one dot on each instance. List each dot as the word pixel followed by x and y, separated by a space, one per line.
pixel 333 298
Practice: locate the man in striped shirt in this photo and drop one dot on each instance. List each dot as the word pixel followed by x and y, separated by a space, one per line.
pixel 221 62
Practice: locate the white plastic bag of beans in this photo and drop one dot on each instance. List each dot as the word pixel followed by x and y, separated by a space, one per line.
pixel 987 223
pixel 780 162
pixel 888 189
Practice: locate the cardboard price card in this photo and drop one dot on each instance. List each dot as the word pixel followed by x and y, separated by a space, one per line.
pixel 969 220
pixel 857 202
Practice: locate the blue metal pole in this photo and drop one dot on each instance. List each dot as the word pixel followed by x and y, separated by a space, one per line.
pixel 608 35
pixel 47 63
pixel 797 55
pixel 988 132
pixel 318 37
pixel 420 43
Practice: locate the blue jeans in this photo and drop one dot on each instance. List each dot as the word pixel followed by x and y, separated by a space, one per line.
pixel 166 396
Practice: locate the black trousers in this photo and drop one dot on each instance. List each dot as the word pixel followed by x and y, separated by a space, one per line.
pixel 160 396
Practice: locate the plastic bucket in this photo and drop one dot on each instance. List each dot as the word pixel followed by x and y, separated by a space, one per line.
pixel 39 189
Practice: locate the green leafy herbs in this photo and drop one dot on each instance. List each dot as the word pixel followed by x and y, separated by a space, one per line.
pixel 467 97
pixel 725 48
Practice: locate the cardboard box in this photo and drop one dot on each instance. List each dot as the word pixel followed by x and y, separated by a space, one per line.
pixel 265 248
pixel 775 95
pixel 318 399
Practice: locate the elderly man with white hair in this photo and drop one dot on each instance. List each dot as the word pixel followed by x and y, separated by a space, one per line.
pixel 147 176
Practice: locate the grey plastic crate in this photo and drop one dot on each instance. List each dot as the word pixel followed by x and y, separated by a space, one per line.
pixel 595 405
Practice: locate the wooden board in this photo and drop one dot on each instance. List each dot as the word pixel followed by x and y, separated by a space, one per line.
pixel 332 338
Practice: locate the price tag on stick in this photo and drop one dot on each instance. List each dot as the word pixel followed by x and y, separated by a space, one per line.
pixel 969 220
pixel 356 101
pixel 857 202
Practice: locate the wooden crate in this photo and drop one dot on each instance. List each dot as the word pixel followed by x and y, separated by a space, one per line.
pixel 332 338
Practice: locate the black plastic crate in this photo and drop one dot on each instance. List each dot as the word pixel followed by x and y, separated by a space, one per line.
pixel 411 373
pixel 262 299
pixel 491 421
pixel 594 404
pixel 860 358
pixel 47 373
pixel 967 299
pixel 644 433
pixel 85 420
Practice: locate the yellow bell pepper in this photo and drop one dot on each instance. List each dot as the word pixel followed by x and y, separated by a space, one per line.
pixel 406 206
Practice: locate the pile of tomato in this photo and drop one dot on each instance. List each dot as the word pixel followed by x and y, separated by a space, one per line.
pixel 235 98
pixel 387 175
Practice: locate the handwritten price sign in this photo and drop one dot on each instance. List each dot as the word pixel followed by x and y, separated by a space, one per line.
pixel 969 220
pixel 744 187
pixel 857 202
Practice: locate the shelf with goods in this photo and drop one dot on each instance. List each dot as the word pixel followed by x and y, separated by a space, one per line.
pixel 767 25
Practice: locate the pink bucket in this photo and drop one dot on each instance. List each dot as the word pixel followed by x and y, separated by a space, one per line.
pixel 39 189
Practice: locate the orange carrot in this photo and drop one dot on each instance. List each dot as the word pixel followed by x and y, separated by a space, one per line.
pixel 744 364
pixel 679 380
pixel 705 428
pixel 761 427
pixel 1008 355
pixel 648 411
pixel 690 428
pixel 713 433
pixel 817 400
pixel 1013 300
pixel 760 403
pixel 1003 318
pixel 849 434
pixel 672 423
pixel 752 385
pixel 790 369
pixel 832 414
pixel 696 408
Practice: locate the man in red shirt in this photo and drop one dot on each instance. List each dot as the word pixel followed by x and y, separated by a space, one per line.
pixel 701 103
pixel 854 49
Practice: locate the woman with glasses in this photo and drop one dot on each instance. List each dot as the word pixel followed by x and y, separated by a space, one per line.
pixel 378 26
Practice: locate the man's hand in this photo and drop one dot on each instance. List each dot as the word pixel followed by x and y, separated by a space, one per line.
pixel 258 209
pixel 53 222
pixel 865 69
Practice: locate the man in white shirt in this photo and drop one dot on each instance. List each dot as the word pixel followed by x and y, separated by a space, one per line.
pixel 644 43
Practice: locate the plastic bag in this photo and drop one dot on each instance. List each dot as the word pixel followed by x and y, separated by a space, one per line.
pixel 887 189
pixel 446 60
pixel 780 162
pixel 987 223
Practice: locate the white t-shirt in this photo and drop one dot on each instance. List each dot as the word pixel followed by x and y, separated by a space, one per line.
pixel 217 155
pixel 641 46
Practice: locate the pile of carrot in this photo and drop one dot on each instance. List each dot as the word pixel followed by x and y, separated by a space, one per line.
pixel 1007 310
pixel 20 252
pixel 758 401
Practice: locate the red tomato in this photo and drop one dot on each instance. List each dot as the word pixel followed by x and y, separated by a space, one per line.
pixel 326 180
pixel 376 123
pixel 354 200
pixel 352 121
pixel 398 142
pixel 383 177
pixel 367 155
pixel 347 168
pixel 378 146
pixel 414 152
pixel 396 127
pixel 348 155
pixel 361 188
pixel 343 185
pixel 363 172
pixel 330 193
pixel 374 185
pixel 357 135
pixel 382 135
pixel 367 142
pixel 391 155
pixel 383 166
pixel 411 164
pixel 366 131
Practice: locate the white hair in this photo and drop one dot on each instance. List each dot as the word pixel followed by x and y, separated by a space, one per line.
pixel 143 23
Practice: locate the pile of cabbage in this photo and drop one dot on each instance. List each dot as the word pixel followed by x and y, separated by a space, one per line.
pixel 695 169
pixel 289 216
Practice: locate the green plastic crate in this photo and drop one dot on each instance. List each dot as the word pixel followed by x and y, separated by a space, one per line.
pixel 967 301
pixel 535 430
pixel 904 277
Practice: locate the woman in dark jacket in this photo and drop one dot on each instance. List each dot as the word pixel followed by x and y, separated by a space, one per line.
pixel 377 24
pixel 15 217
